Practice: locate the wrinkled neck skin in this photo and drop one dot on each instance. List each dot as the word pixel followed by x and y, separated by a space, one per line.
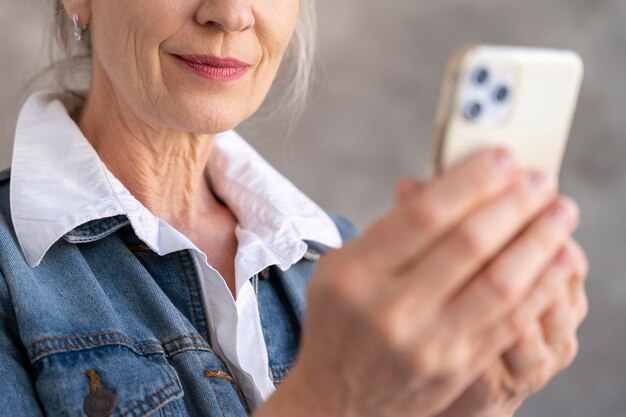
pixel 162 167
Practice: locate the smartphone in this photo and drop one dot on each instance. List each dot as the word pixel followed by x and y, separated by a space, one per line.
pixel 523 99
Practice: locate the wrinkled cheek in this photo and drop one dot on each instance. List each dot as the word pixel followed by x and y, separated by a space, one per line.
pixel 147 61
pixel 117 43
pixel 275 22
pixel 133 65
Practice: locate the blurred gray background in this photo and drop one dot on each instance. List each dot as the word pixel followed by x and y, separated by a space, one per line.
pixel 370 122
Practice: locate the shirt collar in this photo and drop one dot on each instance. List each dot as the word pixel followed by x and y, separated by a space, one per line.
pixel 59 182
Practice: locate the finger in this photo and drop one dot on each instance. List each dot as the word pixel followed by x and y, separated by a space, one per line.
pixel 503 334
pixel 482 349
pixel 557 323
pixel 478 356
pixel 529 361
pixel 580 270
pixel 560 322
pixel 538 301
pixel 573 293
pixel 406 188
pixel 580 261
pixel 408 229
pixel 502 283
pixel 490 345
pixel 475 352
pixel 581 305
pixel 559 328
pixel 462 253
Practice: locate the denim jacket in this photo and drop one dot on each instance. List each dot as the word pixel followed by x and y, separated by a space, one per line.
pixel 78 340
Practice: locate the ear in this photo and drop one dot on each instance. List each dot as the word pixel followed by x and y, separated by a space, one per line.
pixel 82 8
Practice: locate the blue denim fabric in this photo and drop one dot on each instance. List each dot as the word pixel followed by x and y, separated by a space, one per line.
pixel 102 311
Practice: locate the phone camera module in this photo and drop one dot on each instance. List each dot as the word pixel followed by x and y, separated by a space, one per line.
pixel 473 110
pixel 501 94
pixel 481 76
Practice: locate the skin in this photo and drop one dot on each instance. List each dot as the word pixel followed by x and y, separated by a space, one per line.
pixel 497 323
pixel 547 347
pixel 143 103
pixel 476 343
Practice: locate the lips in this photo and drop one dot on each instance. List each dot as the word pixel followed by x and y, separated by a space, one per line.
pixel 214 68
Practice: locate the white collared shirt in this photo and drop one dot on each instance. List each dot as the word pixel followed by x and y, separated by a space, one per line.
pixel 59 182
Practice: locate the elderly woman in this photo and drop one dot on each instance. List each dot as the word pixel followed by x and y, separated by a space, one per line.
pixel 153 264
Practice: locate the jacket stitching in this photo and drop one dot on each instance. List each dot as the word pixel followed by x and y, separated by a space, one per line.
pixel 217 397
pixel 160 403
pixel 200 322
pixel 185 347
pixel 196 301
pixel 110 333
pixel 75 337
pixel 281 368
pixel 147 342
pixel 156 349
pixel 219 403
pixel 192 281
pixel 38 354
pixel 99 225
pixel 184 337
pixel 135 347
pixel 74 238
pixel 148 397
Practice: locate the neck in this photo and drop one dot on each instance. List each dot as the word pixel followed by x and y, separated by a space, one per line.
pixel 163 168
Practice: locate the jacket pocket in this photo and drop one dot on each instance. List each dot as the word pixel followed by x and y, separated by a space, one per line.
pixel 108 380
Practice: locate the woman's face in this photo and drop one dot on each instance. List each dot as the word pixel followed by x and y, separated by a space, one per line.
pixel 138 45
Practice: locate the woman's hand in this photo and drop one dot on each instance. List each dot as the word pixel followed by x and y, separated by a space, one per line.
pixel 403 319
pixel 548 346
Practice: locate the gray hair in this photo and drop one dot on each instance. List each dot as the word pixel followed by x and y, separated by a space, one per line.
pixel 289 92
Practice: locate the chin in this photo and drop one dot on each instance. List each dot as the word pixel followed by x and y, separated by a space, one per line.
pixel 207 115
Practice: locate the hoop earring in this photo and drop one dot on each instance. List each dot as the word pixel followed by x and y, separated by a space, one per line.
pixel 79 30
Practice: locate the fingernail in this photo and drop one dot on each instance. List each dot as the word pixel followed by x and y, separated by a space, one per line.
pixel 562 209
pixel 503 160
pixel 539 180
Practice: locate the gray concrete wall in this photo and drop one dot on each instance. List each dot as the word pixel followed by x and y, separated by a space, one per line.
pixel 371 122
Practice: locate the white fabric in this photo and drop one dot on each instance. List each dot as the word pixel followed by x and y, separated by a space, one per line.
pixel 59 182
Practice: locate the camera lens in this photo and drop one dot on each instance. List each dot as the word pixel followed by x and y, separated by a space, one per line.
pixel 501 94
pixel 473 110
pixel 481 75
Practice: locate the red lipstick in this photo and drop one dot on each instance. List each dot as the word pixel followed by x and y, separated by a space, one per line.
pixel 214 68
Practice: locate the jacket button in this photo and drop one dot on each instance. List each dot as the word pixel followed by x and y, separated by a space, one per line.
pixel 100 403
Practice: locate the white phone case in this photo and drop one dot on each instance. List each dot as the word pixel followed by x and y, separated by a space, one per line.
pixel 542 88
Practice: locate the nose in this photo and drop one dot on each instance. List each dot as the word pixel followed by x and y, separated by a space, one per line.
pixel 228 15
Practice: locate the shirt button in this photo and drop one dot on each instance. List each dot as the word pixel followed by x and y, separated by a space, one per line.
pixel 100 403
pixel 312 255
